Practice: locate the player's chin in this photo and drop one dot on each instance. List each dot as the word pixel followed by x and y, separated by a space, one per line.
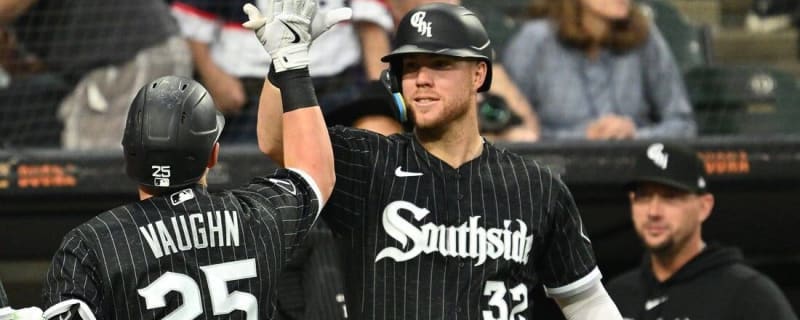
pixel 660 244
pixel 651 239
pixel 426 120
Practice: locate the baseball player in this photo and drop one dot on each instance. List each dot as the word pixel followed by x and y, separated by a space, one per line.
pixel 182 252
pixel 680 276
pixel 441 224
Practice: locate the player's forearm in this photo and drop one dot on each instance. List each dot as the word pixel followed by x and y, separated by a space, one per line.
pixel 286 35
pixel 308 147
pixel 269 126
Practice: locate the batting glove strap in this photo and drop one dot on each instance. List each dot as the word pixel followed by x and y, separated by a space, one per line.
pixel 291 57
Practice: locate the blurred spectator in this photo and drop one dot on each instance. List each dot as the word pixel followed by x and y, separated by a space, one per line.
pixel 596 69
pixel 681 277
pixel 772 15
pixel 29 96
pixel 105 50
pixel 526 128
pixel 229 61
pixel 374 44
pixel 400 7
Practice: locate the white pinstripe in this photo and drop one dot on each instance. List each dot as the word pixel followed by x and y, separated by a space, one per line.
pixel 109 245
pixel 133 265
pixel 524 189
pixel 104 263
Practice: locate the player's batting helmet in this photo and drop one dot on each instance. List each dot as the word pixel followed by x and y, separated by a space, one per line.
pixel 171 130
pixel 444 29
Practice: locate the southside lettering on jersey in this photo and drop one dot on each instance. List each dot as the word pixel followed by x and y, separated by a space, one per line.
pixel 198 231
pixel 469 240
pixel 425 240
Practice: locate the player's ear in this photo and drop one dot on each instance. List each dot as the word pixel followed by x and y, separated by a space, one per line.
pixel 706 206
pixel 212 159
pixel 480 74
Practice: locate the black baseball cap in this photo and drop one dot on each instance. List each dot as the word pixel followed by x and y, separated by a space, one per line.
pixel 673 165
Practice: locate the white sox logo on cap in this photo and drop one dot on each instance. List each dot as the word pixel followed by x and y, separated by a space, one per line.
pixel 672 165
pixel 418 21
pixel 656 153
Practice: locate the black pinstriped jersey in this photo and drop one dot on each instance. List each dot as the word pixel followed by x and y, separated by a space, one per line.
pixel 190 254
pixel 3 297
pixel 428 241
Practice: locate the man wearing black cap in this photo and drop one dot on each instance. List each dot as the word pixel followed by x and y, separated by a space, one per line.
pixel 681 277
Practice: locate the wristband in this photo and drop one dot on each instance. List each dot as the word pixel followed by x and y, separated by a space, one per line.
pixel 297 90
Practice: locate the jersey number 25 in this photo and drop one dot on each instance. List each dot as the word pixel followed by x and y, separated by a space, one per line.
pixel 216 275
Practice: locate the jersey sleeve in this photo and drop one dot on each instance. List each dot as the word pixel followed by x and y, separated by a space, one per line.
pixel 354 152
pixel 568 264
pixel 288 199
pixel 72 275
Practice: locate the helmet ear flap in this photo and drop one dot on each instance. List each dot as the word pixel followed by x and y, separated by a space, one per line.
pixel 391 82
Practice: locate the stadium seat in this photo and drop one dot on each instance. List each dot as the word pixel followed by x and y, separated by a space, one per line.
pixel 690 44
pixel 502 19
pixel 744 100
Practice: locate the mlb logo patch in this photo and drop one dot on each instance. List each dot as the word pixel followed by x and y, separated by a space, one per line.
pixel 161 182
pixel 181 196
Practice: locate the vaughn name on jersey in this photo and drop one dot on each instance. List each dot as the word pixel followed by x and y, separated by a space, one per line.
pixel 193 231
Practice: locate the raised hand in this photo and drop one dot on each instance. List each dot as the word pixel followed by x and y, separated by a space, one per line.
pixel 287 27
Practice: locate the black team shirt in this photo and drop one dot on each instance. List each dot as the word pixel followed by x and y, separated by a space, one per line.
pixel 189 254
pixel 424 240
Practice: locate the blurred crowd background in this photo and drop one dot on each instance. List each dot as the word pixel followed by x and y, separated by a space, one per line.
pixel 717 69
pixel 69 68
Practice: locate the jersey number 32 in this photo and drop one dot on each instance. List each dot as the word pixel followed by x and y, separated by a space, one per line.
pixel 217 275
pixel 496 290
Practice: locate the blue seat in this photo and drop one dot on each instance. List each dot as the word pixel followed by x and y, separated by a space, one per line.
pixel 744 100
pixel 690 44
pixel 501 18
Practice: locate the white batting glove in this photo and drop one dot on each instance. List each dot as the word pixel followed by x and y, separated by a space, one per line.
pixel 287 27
pixel 326 19
pixel 31 313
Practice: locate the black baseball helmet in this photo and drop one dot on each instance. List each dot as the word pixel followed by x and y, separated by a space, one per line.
pixel 171 130
pixel 445 29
